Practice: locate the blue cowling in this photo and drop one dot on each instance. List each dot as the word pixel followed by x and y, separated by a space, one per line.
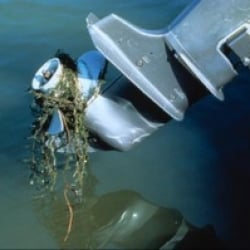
pixel 90 67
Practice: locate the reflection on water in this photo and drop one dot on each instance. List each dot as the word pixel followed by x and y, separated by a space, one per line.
pixel 121 219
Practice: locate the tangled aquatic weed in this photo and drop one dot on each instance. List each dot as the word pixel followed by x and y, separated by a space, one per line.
pixel 67 100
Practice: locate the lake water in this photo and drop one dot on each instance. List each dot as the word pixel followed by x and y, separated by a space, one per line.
pixel 199 166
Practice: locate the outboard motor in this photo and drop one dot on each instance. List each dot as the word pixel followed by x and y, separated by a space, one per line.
pixel 167 70
pixel 164 71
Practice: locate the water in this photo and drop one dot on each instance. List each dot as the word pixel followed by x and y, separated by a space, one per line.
pixel 199 166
